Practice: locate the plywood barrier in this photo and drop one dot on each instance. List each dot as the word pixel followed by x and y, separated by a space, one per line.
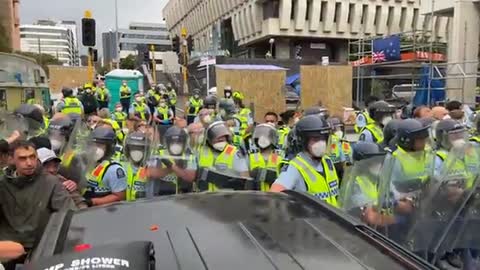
pixel 260 85
pixel 329 85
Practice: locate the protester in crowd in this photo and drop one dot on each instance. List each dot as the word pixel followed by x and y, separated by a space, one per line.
pixel 439 112
pixel 422 112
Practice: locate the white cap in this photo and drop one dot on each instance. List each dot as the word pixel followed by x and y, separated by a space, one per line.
pixel 46 155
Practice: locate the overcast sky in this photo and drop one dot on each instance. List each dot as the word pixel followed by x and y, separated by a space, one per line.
pixel 103 12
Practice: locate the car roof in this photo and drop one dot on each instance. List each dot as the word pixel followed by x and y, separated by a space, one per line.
pixel 240 230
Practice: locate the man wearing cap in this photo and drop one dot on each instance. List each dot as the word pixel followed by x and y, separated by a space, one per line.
pixel 51 164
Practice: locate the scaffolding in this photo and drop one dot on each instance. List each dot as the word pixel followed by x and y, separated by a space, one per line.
pixel 417 50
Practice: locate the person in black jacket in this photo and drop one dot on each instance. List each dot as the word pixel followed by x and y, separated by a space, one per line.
pixel 89 102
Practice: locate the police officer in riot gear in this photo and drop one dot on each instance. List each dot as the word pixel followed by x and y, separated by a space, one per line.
pixel 318 111
pixel 228 92
pixel 174 170
pixel 450 134
pixel 107 182
pixel 32 117
pixel 219 153
pixel 210 102
pixel 311 170
pixel 390 135
pixel 59 131
pixel 137 150
pixel 359 190
pixel 265 160
pixel 381 113
pixel 340 151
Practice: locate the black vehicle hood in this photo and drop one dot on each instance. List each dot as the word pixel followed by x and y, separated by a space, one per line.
pixel 241 230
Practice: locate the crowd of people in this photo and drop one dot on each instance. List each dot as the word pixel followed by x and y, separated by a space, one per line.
pixel 85 156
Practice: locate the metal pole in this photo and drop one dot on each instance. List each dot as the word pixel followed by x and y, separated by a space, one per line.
pixel 154 65
pixel 432 38
pixel 117 35
pixel 208 72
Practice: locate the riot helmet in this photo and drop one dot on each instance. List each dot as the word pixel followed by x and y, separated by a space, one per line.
pixel 104 140
pixel 226 108
pixel 312 134
pixel 59 132
pixel 218 136
pixel 67 92
pixel 381 112
pixel 33 114
pixel 137 147
pixel 337 126
pixel 265 136
pixel 412 135
pixel 196 93
pixel 365 150
pixel 175 140
pixel 390 132
pixel 450 133
pixel 318 111
pixel 210 102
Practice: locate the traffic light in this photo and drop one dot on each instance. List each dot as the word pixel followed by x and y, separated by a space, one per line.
pixel 176 44
pixel 146 56
pixel 94 55
pixel 190 45
pixel 88 32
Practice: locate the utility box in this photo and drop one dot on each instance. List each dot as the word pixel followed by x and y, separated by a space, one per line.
pixel 329 86
pixel 114 79
pixel 261 85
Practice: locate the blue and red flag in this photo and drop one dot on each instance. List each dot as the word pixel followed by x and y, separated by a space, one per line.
pixel 386 49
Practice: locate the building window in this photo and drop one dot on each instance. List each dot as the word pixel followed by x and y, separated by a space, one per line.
pixel 271 9
pixel 403 15
pixel 390 16
pixel 323 10
pixel 309 7
pixel 351 12
pixel 292 12
pixel 415 19
pixel 338 8
pixel 364 14
pixel 378 14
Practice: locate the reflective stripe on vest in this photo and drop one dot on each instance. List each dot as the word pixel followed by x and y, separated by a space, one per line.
pixel 376 131
pixel 347 151
pixel 72 106
pixel 195 104
pixel 172 95
pixel 102 94
pixel 135 183
pixel 67 158
pixel 116 128
pixel 162 113
pixel 140 110
pixel 367 187
pixel 120 118
pixel 334 152
pixel 124 92
pixel 258 162
pixel 95 179
pixel 226 158
pixel 475 139
pixel 412 168
pixel 324 188
pixel 282 134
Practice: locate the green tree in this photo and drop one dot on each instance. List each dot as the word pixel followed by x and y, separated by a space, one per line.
pixel 103 70
pixel 4 40
pixel 128 62
pixel 43 59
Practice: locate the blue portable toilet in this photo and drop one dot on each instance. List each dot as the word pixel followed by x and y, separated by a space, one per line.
pixel 113 81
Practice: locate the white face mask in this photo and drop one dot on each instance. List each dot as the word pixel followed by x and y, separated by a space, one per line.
pixel 264 142
pixel 318 149
pixel 99 154
pixel 296 120
pixel 124 84
pixel 386 120
pixel 118 109
pixel 220 146
pixel 339 133
pixel 138 99
pixel 136 155
pixel 176 149
pixel 88 91
pixel 196 96
pixel 201 138
pixel 56 144
pixel 162 104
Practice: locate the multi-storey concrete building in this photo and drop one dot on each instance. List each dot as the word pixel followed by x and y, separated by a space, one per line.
pixel 10 22
pixel 299 28
pixel 54 38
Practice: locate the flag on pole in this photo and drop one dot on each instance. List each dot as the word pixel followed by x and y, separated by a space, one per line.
pixel 387 48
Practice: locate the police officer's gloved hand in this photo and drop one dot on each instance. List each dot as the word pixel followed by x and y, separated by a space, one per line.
pixel 167 163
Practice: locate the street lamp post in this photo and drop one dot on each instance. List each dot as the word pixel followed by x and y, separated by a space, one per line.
pixel 271 41
pixel 117 37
